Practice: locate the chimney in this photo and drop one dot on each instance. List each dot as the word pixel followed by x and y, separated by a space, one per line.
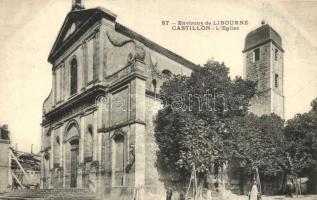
pixel 5 126
pixel 77 5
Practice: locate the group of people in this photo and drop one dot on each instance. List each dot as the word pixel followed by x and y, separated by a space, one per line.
pixel 254 193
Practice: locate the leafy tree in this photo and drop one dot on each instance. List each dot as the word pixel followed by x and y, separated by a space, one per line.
pixel 257 142
pixel 301 136
pixel 190 129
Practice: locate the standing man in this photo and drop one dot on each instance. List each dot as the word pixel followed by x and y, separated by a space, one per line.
pixel 169 193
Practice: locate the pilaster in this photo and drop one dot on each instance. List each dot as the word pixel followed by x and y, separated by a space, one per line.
pixel 54 87
pixel 61 139
pixel 64 163
pixel 82 139
pixel 138 130
pixel 95 136
pixel 51 159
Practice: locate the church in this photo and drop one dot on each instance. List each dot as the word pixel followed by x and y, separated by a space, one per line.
pixel 97 126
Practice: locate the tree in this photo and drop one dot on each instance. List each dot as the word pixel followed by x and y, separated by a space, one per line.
pixel 301 137
pixel 190 129
pixel 256 143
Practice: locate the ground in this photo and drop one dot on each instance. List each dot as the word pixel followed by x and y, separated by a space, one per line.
pixel 305 197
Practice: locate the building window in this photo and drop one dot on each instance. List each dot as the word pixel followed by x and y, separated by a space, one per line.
pixel 276 54
pixel 276 80
pixel 167 73
pixel 4 134
pixel 256 55
pixel 73 76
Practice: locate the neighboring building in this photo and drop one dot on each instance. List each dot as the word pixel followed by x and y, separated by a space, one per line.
pixel 4 158
pixel 263 63
pixel 97 128
pixel 18 170
pixel 25 168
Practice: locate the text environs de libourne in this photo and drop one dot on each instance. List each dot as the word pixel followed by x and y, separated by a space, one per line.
pixel 225 25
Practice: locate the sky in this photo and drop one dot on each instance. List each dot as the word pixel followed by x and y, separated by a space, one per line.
pixel 29 28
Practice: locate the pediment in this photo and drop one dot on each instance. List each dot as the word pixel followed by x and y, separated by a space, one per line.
pixel 75 22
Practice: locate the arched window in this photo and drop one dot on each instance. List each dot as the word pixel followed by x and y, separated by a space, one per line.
pixel 88 150
pixel 167 73
pixel 73 76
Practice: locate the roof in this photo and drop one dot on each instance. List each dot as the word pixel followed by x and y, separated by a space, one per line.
pixel 262 35
pixel 87 17
pixel 29 161
pixel 154 46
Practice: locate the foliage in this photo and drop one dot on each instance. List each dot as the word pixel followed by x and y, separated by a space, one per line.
pixel 257 142
pixel 190 128
pixel 205 121
pixel 301 137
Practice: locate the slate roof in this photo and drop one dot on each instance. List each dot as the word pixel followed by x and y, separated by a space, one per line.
pixel 262 35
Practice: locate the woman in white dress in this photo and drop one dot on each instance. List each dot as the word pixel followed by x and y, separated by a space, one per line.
pixel 254 192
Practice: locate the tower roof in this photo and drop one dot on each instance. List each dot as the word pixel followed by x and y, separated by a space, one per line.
pixel 262 35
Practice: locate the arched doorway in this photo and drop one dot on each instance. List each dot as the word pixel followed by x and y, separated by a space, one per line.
pixel 118 158
pixel 72 154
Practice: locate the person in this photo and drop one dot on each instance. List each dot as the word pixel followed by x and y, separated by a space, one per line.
pixel 289 187
pixel 208 195
pixel 181 196
pixel 169 194
pixel 253 195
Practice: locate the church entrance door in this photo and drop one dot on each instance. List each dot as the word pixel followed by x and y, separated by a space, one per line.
pixel 73 163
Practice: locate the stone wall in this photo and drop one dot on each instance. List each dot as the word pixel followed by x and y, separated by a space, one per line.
pixel 269 94
pixel 4 165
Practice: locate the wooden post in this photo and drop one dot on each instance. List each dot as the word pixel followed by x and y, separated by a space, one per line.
pixel 190 182
pixel 258 181
pixel 195 184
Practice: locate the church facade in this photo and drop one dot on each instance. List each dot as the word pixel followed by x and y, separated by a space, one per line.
pixel 97 127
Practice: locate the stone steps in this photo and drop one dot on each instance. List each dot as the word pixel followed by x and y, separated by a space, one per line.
pixel 50 194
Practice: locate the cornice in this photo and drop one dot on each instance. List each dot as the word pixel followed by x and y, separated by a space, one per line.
pixel 262 43
pixel 90 93
pixel 117 126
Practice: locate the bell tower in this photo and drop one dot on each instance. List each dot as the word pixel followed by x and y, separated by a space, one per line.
pixel 263 56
